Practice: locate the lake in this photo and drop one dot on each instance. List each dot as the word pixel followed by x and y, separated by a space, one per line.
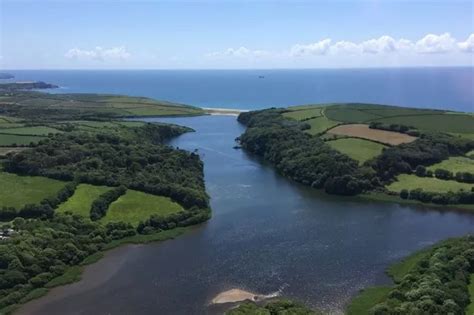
pixel 444 88
pixel 266 234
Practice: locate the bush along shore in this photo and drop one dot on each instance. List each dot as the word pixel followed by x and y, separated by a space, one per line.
pixel 308 159
pixel 435 280
pixel 41 247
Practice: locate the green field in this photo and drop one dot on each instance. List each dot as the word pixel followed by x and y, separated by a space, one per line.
pixel 36 131
pixel 303 114
pixel 358 149
pixel 423 119
pixel 470 154
pixel 366 299
pixel 80 203
pixel 455 164
pixel 441 123
pixel 136 206
pixel 406 181
pixel 55 106
pixel 18 191
pixel 9 140
pixel 470 307
pixel 320 125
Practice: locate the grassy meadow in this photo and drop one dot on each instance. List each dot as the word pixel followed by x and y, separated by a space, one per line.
pixel 408 181
pixel 136 206
pixel 358 149
pixel 455 164
pixel 29 104
pixel 80 203
pixel 18 191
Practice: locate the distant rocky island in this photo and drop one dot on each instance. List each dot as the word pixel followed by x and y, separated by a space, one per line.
pixel 4 75
pixel 26 85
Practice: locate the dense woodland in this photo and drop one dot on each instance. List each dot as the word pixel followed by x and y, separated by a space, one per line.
pixel 114 160
pixel 438 284
pixel 42 250
pixel 309 160
pixel 301 157
pixel 279 307
pixel 42 244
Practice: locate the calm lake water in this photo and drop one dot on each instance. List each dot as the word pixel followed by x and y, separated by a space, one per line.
pixel 448 88
pixel 266 234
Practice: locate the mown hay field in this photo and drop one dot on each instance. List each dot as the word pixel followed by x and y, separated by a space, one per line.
pixel 363 131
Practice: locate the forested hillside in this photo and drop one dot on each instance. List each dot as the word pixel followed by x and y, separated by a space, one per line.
pixel 292 140
pixel 74 186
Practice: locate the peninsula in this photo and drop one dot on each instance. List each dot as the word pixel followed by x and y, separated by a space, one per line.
pixel 373 151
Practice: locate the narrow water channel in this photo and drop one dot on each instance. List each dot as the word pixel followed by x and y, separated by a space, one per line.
pixel 266 234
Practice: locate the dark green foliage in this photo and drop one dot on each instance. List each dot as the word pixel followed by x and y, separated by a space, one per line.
pixel 437 285
pixel 100 205
pixel 464 177
pixel 428 150
pixel 459 197
pixel 420 171
pixel 280 307
pixel 394 127
pixel 158 223
pixel 301 157
pixel 443 174
pixel 135 161
pixel 43 249
pixel 404 194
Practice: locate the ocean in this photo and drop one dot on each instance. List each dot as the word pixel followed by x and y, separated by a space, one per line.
pixel 441 88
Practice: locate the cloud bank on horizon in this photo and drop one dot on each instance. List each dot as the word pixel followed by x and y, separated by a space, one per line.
pixel 429 44
pixel 234 34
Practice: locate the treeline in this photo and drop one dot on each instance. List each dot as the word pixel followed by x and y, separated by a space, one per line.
pixel 301 157
pixel 114 160
pixel 157 223
pixel 41 250
pixel 458 197
pixel 101 204
pixel 409 130
pixel 44 210
pixel 427 150
pixel 438 284
pixel 462 177
pixel 279 307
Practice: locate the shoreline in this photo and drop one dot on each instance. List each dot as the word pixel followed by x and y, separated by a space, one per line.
pixel 92 268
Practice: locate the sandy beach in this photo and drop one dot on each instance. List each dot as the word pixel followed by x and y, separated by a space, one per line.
pixel 234 295
pixel 224 111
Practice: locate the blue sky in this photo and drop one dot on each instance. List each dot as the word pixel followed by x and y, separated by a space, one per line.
pixel 234 34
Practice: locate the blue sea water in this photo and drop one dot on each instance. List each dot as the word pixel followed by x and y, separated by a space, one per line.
pixel 443 88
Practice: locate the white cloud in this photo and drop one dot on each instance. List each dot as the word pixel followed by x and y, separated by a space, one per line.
pixel 435 44
pixel 384 44
pixel 99 53
pixel 318 48
pixel 345 47
pixel 468 45
pixel 241 52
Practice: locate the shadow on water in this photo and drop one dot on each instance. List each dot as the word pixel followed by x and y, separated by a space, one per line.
pixel 266 234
